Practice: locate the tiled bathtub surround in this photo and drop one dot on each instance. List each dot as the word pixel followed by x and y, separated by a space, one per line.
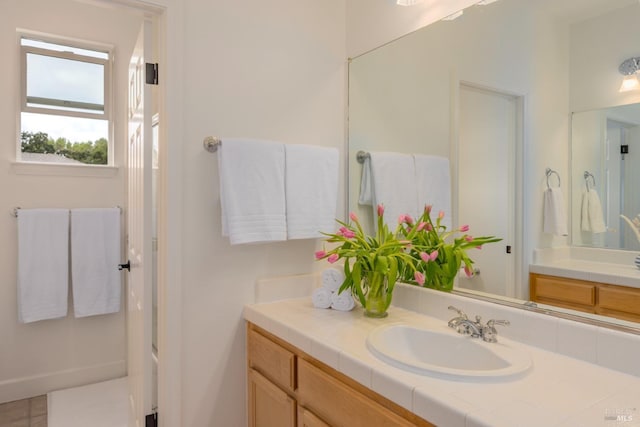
pixel 24 413
pixel 565 387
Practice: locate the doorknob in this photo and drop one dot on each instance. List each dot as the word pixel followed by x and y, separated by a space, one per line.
pixel 123 266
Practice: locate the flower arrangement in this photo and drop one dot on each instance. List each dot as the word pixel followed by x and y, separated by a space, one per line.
pixel 418 252
pixel 373 264
pixel 437 253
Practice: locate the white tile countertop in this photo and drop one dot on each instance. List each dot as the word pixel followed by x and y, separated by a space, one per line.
pixel 592 264
pixel 557 390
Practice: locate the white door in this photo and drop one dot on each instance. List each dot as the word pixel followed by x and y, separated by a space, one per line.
pixel 139 230
pixel 486 186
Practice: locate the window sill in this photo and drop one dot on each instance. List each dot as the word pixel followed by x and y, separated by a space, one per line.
pixel 51 169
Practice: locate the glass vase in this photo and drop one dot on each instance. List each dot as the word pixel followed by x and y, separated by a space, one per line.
pixel 376 295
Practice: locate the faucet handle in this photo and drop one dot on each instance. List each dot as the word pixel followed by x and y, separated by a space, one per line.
pixel 457 310
pixel 493 322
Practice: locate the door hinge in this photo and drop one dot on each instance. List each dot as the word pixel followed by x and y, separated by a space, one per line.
pixel 151 73
pixel 151 420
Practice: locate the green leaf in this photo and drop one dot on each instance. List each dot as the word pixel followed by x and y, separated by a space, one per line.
pixel 357 282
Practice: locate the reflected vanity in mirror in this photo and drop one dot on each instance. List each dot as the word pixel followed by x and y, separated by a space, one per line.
pixel 493 91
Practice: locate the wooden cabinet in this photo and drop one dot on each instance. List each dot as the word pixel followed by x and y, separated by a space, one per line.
pixel 287 387
pixel 621 302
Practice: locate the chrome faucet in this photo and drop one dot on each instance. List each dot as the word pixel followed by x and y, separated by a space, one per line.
pixel 475 329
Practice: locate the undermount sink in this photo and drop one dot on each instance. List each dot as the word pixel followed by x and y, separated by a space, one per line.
pixel 445 354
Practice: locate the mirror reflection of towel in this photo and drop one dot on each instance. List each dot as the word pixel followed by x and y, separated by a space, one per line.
pixel 591 214
pixel 555 220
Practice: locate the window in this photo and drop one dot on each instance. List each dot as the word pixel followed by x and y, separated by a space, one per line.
pixel 65 113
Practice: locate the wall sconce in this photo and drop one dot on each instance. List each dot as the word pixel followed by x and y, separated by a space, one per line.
pixel 408 2
pixel 628 69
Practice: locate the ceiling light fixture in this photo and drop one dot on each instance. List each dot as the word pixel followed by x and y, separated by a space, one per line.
pixel 629 69
pixel 486 2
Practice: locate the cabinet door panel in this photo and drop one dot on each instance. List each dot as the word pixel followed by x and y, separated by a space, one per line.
pixel 306 418
pixel 268 405
pixel 338 403
pixel 563 292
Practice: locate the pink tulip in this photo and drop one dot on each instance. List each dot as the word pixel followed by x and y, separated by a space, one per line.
pixel 429 227
pixel 427 208
pixel 402 218
pixel 321 254
pixel 419 277
pixel 380 209
pixel 349 234
pixel 468 271
pixel 421 226
pixel 353 216
pixel 433 255
pixel 464 228
pixel 468 238
pixel 441 214
pixel 425 256
pixel 333 258
pixel 479 247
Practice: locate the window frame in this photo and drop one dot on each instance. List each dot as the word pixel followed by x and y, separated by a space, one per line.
pixel 107 64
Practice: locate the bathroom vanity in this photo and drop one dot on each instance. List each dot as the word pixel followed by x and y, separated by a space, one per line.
pixel 312 367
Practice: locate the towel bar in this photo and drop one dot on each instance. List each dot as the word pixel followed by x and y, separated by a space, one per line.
pixel 15 211
pixel 211 143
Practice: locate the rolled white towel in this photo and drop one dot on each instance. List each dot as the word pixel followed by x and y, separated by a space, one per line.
pixel 332 278
pixel 321 297
pixel 343 301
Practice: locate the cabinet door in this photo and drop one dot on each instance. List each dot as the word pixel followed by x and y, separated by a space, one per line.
pixel 268 405
pixel 339 404
pixel 306 418
pixel 620 302
pixel 562 292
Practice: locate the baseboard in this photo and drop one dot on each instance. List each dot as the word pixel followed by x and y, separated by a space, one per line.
pixel 36 385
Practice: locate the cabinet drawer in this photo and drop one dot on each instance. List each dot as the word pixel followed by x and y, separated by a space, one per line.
pixel 271 360
pixel 339 404
pixel 565 290
pixel 619 299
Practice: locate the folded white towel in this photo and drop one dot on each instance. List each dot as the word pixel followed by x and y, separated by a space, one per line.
pixel 433 182
pixel 43 264
pixel 591 213
pixel 95 254
pixel 321 297
pixel 252 190
pixel 343 301
pixel 332 278
pixel 311 190
pixel 554 218
pixel 394 185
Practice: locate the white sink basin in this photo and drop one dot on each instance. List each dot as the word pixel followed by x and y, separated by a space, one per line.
pixel 445 353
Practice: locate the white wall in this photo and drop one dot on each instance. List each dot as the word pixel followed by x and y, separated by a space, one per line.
pixel 273 70
pixel 52 354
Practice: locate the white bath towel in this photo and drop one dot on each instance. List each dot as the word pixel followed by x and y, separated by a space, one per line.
pixel 321 297
pixel 554 217
pixel 332 278
pixel 311 190
pixel 43 264
pixel 343 301
pixel 591 216
pixel 95 255
pixel 393 185
pixel 252 190
pixel 366 184
pixel 433 182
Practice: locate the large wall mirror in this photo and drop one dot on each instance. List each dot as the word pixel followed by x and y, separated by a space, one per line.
pixel 495 91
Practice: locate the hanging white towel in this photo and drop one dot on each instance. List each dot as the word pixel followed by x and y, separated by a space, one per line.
pixel 311 190
pixel 591 213
pixel 554 218
pixel 393 185
pixel 95 255
pixel 252 191
pixel 366 184
pixel 433 182
pixel 43 264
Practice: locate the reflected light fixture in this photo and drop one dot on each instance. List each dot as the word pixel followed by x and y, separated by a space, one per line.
pixel 629 69
pixel 408 2
pixel 486 2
